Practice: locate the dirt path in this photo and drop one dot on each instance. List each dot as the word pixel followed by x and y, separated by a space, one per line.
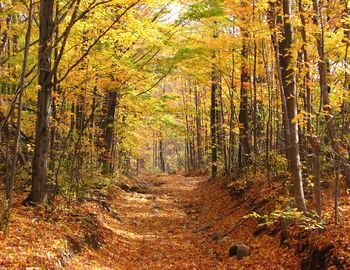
pixel 167 227
pixel 172 222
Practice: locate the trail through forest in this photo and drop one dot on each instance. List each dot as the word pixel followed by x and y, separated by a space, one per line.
pixel 163 228
pixel 172 223
pixel 98 96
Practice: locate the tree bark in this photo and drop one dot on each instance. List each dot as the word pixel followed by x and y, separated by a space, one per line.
pixel 287 85
pixel 162 155
pixel 231 146
pixel 109 130
pixel 222 133
pixel 244 147
pixel 338 148
pixel 11 179
pixel 198 127
pixel 213 119
pixel 289 89
pixel 38 193
pixel 313 139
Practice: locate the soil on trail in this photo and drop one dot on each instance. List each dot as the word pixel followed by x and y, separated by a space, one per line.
pixel 168 222
pixel 159 229
pixel 177 222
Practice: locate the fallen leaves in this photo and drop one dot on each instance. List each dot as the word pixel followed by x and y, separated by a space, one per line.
pixel 184 223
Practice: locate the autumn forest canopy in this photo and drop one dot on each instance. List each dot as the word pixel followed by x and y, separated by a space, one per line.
pixel 250 99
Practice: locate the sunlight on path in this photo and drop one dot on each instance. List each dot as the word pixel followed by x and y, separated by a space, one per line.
pixel 162 229
pixel 181 223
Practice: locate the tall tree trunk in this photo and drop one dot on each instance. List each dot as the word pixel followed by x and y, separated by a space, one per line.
pixel 38 193
pixel 198 127
pixel 188 143
pixel 346 84
pixel 275 19
pixel 162 155
pixel 109 131
pixel 244 153
pixel 337 146
pixel 269 125
pixel 155 151
pixel 255 143
pixel 54 130
pixel 215 84
pixel 289 91
pixel 213 119
pixel 11 178
pixel 287 85
pixel 314 142
pixel 222 133
pixel 231 146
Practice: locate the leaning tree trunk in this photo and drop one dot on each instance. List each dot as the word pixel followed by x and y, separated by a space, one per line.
pixel 38 193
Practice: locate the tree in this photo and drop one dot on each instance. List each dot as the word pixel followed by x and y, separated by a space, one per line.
pixel 244 146
pixel 38 193
pixel 215 85
pixel 285 61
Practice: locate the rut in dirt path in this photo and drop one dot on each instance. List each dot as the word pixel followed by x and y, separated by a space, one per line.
pixel 166 227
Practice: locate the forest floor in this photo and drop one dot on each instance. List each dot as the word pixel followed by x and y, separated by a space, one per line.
pixel 167 222
pixel 179 223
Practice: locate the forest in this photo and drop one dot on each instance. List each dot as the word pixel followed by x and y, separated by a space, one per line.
pixel 174 134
